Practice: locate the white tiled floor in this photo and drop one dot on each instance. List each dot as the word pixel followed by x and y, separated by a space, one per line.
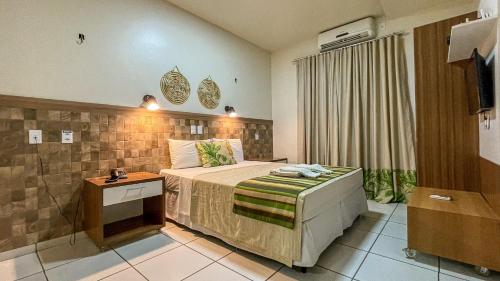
pixel 89 268
pixel 216 272
pixel 129 274
pixel 396 230
pixel 342 259
pixel 147 248
pixel 370 250
pixel 250 266
pixel 65 253
pixel 211 247
pixel 20 267
pixel 176 264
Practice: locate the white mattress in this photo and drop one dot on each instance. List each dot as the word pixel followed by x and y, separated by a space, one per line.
pixel 316 199
pixel 328 209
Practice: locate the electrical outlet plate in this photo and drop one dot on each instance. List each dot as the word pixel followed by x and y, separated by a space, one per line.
pixel 199 130
pixel 193 129
pixel 35 136
pixel 66 136
pixel 257 136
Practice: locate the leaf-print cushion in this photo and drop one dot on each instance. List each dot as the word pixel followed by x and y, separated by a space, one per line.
pixel 217 153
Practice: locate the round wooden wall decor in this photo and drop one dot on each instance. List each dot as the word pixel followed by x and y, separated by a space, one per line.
pixel 209 93
pixel 175 87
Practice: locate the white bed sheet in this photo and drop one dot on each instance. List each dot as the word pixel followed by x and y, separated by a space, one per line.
pixel 316 199
pixel 328 208
pixel 179 183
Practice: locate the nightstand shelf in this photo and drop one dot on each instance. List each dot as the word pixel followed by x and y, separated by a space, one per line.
pixel 126 229
pixel 100 196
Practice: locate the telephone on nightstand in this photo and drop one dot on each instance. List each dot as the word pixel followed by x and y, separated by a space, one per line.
pixel 116 174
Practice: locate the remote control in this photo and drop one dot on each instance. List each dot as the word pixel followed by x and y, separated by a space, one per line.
pixel 439 197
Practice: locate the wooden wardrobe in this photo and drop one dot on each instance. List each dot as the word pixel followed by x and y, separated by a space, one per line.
pixel 447 136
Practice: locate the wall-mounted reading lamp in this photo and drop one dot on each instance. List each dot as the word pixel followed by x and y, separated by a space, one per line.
pixel 150 103
pixel 230 111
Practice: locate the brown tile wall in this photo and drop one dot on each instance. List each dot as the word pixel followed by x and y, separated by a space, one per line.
pixel 105 137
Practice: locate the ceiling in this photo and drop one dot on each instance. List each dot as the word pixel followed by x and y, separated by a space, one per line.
pixel 275 24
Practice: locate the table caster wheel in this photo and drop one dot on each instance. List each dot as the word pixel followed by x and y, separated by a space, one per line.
pixel 483 271
pixel 410 253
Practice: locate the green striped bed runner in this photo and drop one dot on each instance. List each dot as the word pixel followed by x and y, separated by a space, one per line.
pixel 273 199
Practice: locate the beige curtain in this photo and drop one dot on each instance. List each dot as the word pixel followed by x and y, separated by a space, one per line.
pixel 354 110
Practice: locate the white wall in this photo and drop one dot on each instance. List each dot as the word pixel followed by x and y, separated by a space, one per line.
pixel 284 81
pixel 284 89
pixel 130 45
pixel 489 139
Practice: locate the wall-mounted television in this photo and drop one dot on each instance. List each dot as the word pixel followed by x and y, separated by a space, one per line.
pixel 480 87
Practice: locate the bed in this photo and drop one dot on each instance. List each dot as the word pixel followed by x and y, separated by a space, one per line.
pixel 200 198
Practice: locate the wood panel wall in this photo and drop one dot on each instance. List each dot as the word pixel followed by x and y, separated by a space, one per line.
pixel 447 136
pixel 490 183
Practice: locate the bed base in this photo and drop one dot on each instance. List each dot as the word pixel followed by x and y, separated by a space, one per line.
pixel 353 205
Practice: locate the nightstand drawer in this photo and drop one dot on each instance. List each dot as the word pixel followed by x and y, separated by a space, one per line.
pixel 125 193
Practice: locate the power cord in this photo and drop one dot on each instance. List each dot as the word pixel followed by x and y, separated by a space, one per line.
pixel 72 237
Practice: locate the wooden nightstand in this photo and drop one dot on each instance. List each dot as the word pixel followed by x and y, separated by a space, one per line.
pixel 284 159
pixel 99 196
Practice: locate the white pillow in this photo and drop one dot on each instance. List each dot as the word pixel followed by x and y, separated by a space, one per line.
pixel 183 154
pixel 237 148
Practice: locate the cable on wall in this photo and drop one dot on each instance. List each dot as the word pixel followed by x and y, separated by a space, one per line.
pixel 72 237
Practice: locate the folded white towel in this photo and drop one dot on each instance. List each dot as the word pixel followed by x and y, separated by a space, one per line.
pixel 314 167
pixel 303 171
pixel 279 173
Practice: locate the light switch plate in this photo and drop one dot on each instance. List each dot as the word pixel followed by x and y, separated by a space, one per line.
pixel 35 136
pixel 193 129
pixel 199 129
pixel 66 136
pixel 257 136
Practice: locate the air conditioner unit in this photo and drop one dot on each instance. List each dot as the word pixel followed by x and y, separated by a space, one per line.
pixel 348 34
